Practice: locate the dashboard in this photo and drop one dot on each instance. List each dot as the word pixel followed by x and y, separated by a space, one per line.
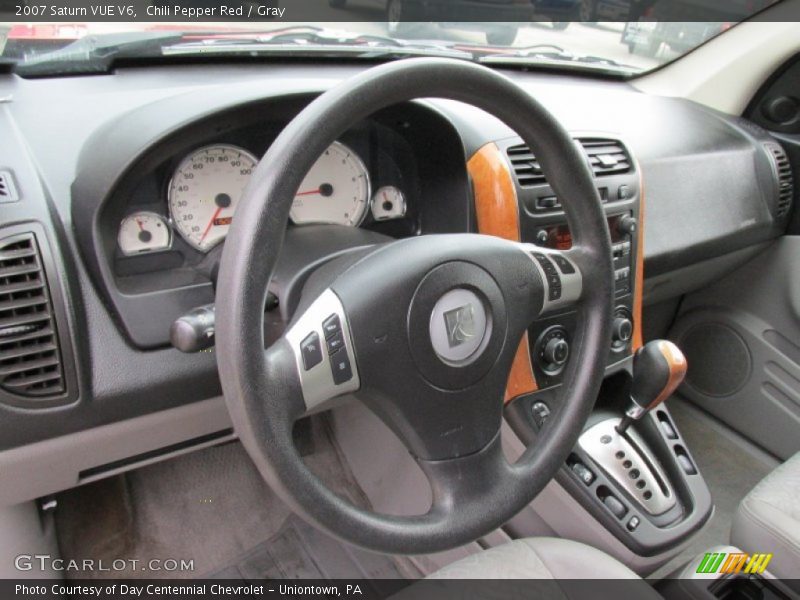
pixel 130 182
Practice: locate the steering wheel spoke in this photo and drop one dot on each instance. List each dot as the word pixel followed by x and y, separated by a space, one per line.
pixel 323 351
pixel 560 273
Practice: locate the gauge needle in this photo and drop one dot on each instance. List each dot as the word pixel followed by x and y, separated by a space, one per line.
pixel 309 192
pixel 210 223
pixel 139 223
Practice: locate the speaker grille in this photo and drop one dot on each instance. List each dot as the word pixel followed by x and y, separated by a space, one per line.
pixel 718 357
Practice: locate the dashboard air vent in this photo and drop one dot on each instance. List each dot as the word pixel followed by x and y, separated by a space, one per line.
pixel 525 166
pixel 785 179
pixel 7 191
pixel 606 156
pixel 30 359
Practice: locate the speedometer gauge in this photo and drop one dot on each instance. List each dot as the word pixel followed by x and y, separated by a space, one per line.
pixel 205 190
pixel 335 190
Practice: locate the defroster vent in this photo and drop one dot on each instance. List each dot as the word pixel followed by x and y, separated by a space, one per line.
pixel 30 358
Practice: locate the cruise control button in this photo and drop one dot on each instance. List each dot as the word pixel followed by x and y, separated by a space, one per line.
pixel 563 264
pixel 331 326
pixel 335 342
pixel 340 367
pixel 311 350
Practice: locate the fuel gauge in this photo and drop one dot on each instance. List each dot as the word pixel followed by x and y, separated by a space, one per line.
pixel 143 232
pixel 388 203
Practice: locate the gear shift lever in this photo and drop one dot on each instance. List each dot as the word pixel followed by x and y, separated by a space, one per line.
pixel 658 369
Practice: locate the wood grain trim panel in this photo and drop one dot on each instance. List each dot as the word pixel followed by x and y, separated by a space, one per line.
pixel 638 281
pixel 497 213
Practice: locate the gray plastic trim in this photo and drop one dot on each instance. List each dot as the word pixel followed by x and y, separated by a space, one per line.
pixel 47 467
pixel 610 451
pixel 317 382
pixel 571 283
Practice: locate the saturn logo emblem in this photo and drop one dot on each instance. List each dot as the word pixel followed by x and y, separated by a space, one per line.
pixel 460 325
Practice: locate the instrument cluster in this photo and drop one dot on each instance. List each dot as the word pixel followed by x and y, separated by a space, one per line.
pixel 207 183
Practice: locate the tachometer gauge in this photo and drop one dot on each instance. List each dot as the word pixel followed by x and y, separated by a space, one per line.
pixel 335 190
pixel 205 190
pixel 143 232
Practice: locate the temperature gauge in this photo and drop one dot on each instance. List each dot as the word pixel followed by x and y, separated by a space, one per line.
pixel 143 232
pixel 388 203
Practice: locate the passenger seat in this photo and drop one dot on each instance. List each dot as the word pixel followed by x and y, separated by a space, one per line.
pixel 768 520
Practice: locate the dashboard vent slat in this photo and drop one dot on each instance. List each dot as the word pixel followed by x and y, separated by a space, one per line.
pixel 8 192
pixel 30 357
pixel 783 170
pixel 605 156
pixel 525 165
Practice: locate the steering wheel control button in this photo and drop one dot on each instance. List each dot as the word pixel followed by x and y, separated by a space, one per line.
pixel 323 351
pixel 458 326
pixel 331 326
pixel 311 350
pixel 563 264
pixel 335 342
pixel 340 367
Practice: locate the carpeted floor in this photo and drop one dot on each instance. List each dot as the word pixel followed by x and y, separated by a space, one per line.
pixel 731 469
pixel 212 507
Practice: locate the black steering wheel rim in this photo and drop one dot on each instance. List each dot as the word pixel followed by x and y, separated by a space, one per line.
pixel 261 387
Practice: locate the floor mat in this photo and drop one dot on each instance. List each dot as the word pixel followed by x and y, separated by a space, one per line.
pixel 731 469
pixel 211 507
pixel 299 551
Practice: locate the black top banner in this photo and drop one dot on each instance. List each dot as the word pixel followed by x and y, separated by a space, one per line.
pixel 518 11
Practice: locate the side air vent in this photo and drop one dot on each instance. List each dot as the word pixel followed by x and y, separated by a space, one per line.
pixel 30 358
pixel 606 156
pixel 525 166
pixel 8 192
pixel 785 179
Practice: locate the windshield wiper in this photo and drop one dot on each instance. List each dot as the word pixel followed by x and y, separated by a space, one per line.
pixel 313 41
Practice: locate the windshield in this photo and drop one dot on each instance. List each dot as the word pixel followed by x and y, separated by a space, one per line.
pixel 559 34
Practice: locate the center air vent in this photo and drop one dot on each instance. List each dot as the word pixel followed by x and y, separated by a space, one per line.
pixel 785 179
pixel 525 166
pixel 30 359
pixel 606 157
pixel 7 191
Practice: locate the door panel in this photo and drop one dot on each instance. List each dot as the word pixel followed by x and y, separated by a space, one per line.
pixel 741 337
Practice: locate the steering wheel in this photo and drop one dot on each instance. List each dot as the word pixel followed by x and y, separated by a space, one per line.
pixel 422 330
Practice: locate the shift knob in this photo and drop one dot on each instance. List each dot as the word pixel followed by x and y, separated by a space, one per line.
pixel 658 369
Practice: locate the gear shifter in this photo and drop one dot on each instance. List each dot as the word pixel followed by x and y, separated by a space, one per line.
pixel 658 369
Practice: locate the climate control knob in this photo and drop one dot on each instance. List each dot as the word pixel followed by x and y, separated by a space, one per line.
pixel 621 330
pixel 556 352
pixel 627 225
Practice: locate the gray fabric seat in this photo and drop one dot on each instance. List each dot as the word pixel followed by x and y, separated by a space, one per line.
pixel 768 520
pixel 552 559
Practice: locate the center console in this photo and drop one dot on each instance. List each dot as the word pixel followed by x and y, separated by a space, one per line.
pixel 640 482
